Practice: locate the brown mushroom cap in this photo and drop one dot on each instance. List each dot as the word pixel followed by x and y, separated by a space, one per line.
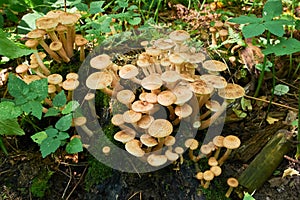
pixel 218 24
pixel 125 96
pixel 166 98
pixel 151 97
pixel 232 91
pixel 51 89
pixel 217 82
pixel 106 149
pixel 117 120
pixel 152 82
pixel 196 58
pixel 125 135
pixel 214 66
pixel 128 71
pixel 179 36
pixel 101 61
pixel 160 128
pixel 169 140
pixel 176 59
pixel 142 106
pixel 55 79
pixel 31 43
pixel 201 87
pixel 179 150
pixel 68 18
pixel 80 41
pixel 22 68
pixel 130 116
pixel 170 76
pixel 208 175
pixel 148 140
pixel 205 149
pixel 191 143
pixel 152 51
pixel 232 182
pixel 183 111
pixel 134 148
pixel 79 121
pixel 212 161
pixel 55 45
pixel 165 62
pixel 72 75
pixel 164 44
pixel 231 142
pixel 46 23
pixel 223 33
pixel 171 155
pixel 36 33
pixel 157 160
pixel 213 105
pixel 183 94
pixel 218 141
pixel 99 80
pixel 145 121
pixel 29 78
pixel 216 170
pixel 70 84
pixel 199 175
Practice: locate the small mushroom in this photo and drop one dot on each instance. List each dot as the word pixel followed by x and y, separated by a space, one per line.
pixel 126 97
pixel 171 78
pixel 58 47
pixel 134 148
pixel 192 144
pixel 230 142
pixel 218 142
pixel 100 80
pixel 208 176
pixel 80 42
pixel 233 183
pixel 216 170
pixel 90 97
pixel 129 72
pixel 199 176
pixel 125 135
pixel 106 150
pixel 157 160
pixel 81 121
pixel 179 151
pixel 55 79
pixel 214 66
pixel 70 85
pixel 212 161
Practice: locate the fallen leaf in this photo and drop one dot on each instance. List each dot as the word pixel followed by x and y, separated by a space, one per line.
pixel 272 120
pixel 290 172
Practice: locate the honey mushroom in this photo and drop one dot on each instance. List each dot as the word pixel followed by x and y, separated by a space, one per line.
pixel 106 150
pixel 100 81
pixel 80 42
pixel 212 161
pixel 154 53
pixel 179 37
pixel 148 141
pixel 125 97
pixel 199 176
pixel 230 142
pixel 70 85
pixel 179 151
pixel 55 79
pixel 160 128
pixel 176 62
pixel 90 97
pixel 232 183
pixel 81 122
pixel 182 93
pixel 182 112
pixel 134 148
pixel 125 135
pixel 218 142
pixel 170 78
pixel 61 30
pixel 156 160
pixel 214 66
pixel 212 106
pixel 216 170
pixel 192 145
pixel 57 46
pixel 21 70
pixel 129 72
pixel 208 176
pixel 171 155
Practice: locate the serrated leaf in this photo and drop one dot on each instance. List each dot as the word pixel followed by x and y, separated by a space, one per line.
pixel 51 132
pixel 60 99
pixel 33 107
pixel 10 127
pixel 74 146
pixel 52 112
pixel 275 27
pixel 252 30
pixel 70 107
pixel 39 137
pixel 62 135
pixel 10 49
pixel 272 8
pixel 48 146
pixel 252 19
pixel 284 47
pixel 82 7
pixel 16 87
pixel 8 110
pixel 135 21
pixel 281 89
pixel 96 7
pixel 40 88
pixel 64 123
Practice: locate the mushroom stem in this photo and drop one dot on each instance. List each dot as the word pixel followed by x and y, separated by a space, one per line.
pixel 229 191
pixel 57 47
pixel 70 39
pixel 224 157
pixel 49 51
pixel 208 122
pixel 45 70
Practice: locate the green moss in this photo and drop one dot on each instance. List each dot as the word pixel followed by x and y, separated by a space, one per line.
pixel 217 189
pixel 40 183
pixel 97 173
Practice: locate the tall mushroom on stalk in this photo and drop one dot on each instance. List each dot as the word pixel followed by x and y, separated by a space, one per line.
pixel 58 47
pixel 125 97
pixel 230 142
pixel 81 122
pixel 160 128
pixel 100 81
pixel 49 25
pixel 38 34
pixel 214 66
pixel 80 42
pixel 179 37
pixel 202 90
pixel 177 62
pixel 70 85
pixel 55 79
pixel 129 72
pixel 61 30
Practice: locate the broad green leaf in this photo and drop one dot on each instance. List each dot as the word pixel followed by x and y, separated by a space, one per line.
pixel 52 112
pixel 10 15
pixel 33 107
pixel 51 132
pixel 62 135
pixel 272 8
pixel 135 21
pixel 251 19
pixel 8 110
pixel 70 107
pixel 40 87
pixel 74 146
pixel 64 123
pixel 239 113
pixel 82 7
pixel 275 27
pixel 16 87
pixel 252 30
pixel 285 47
pixel 10 49
pixel 297 27
pixel 60 99
pixel 96 7
pixel 28 22
pixel 247 196
pixel 48 146
pixel 281 89
pixel 39 137
pixel 10 127
pixel 122 3
pixel 268 66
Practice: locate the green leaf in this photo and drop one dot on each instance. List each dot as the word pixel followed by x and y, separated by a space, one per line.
pixel 135 21
pixel 51 132
pixel 52 112
pixel 252 19
pixel 1 21
pixel 40 88
pixel 62 135
pixel 122 3
pixel 33 107
pixel 16 87
pixel 247 196
pixel 60 99
pixel 64 123
pixel 297 27
pixel 74 146
pixel 272 8
pixel 10 49
pixel 275 27
pixel 28 22
pixel 9 110
pixel 70 107
pixel 281 89
pixel 39 137
pixel 82 7
pixel 10 15
pixel 96 7
pixel 10 127
pixel 284 47
pixel 269 65
pixel 253 30
pixel 48 146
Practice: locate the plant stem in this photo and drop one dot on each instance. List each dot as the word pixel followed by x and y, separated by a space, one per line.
pixel 273 86
pixel 3 147
pixel 261 76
